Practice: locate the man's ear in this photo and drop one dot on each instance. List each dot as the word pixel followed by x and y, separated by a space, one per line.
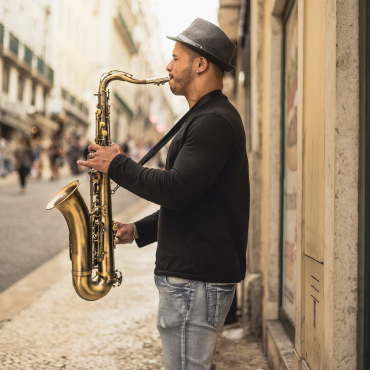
pixel 203 64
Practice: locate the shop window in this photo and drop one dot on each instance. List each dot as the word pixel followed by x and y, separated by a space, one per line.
pixel 6 78
pixel 289 195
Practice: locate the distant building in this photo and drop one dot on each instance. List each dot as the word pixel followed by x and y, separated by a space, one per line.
pixel 154 113
pixel 71 23
pixel 26 77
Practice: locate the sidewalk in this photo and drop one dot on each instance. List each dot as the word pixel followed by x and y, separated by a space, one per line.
pixel 59 330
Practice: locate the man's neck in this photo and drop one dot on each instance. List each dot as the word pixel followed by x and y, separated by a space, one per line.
pixel 197 92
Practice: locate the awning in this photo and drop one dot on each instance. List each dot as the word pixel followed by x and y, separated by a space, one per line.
pixel 45 122
pixel 15 122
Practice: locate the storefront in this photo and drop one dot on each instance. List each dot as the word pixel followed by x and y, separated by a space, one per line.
pixel 289 168
pixel 307 277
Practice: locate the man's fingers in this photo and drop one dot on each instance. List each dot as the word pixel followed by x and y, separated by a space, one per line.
pixel 84 163
pixel 94 147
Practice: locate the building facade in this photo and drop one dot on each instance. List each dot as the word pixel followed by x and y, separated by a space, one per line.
pixel 52 54
pixel 301 85
pixel 26 75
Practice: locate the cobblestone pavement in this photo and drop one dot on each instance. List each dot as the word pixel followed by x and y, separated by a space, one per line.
pixel 58 330
pixel 244 353
pixel 30 235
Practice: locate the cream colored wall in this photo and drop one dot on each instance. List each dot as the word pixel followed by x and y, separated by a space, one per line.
pixel 329 228
pixel 327 204
pixel 341 184
pixel 271 161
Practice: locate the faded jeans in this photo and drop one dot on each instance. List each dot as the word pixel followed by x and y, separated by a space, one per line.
pixel 190 314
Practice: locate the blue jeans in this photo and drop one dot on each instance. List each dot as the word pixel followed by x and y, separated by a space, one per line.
pixel 190 314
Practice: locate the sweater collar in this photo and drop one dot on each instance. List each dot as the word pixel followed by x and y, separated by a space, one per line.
pixel 208 96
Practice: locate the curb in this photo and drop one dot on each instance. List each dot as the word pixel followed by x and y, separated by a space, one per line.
pixel 23 292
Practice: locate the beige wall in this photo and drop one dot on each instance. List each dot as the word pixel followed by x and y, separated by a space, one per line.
pixel 271 161
pixel 327 195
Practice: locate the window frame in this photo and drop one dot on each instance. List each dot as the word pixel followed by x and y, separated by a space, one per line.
pixel 283 317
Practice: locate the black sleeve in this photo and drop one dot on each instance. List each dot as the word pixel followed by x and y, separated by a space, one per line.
pixel 208 143
pixel 147 229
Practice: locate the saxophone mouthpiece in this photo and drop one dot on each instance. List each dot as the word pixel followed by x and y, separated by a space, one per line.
pixel 157 80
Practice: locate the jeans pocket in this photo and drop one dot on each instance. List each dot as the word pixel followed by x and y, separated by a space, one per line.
pixel 177 281
pixel 219 299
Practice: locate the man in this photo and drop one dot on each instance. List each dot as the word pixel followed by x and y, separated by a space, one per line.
pixel 202 225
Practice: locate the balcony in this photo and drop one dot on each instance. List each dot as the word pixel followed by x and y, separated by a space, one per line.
pixel 125 24
pixel 13 44
pixel 24 58
pixel 73 104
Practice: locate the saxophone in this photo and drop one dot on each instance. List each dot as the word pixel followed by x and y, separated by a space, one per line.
pixel 92 234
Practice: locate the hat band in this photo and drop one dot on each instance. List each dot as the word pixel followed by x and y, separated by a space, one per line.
pixel 185 39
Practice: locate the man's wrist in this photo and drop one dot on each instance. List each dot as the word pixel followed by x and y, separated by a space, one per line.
pixel 134 234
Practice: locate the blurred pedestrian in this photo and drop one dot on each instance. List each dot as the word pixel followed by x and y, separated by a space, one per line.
pixel 24 161
pixel 37 162
pixel 3 152
pixel 55 157
pixel 73 155
pixel 9 158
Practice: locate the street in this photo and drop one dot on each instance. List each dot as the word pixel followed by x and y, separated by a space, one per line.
pixel 30 235
pixel 59 330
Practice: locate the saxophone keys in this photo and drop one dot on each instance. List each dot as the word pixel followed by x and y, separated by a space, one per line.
pixel 104 133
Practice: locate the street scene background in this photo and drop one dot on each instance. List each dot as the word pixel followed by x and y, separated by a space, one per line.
pixel 52 54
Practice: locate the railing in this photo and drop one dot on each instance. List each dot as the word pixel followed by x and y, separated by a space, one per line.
pixel 25 54
pixel 127 29
pixel 13 44
pixel 74 101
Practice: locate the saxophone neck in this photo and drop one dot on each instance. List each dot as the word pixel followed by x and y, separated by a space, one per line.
pixel 157 80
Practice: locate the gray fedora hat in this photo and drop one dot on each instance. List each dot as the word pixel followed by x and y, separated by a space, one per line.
pixel 209 41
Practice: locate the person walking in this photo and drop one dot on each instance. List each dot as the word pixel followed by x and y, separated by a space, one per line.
pixel 37 160
pixel 3 155
pixel 24 161
pixel 55 157
pixel 73 154
pixel 203 193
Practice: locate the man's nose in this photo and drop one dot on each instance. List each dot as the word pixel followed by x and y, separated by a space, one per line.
pixel 169 67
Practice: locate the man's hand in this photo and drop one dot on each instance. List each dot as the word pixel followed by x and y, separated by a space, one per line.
pixel 103 156
pixel 125 233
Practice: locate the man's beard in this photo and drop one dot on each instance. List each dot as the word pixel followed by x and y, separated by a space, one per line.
pixel 181 80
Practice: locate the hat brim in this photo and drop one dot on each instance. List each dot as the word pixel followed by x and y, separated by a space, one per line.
pixel 213 58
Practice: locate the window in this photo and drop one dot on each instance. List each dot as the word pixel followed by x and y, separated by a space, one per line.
pixel 6 77
pixel 21 81
pixel 289 196
pixel 33 94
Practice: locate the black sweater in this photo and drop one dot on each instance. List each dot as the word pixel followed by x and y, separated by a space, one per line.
pixel 202 225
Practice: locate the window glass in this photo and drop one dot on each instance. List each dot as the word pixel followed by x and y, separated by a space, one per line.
pixel 290 163
pixel 6 76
